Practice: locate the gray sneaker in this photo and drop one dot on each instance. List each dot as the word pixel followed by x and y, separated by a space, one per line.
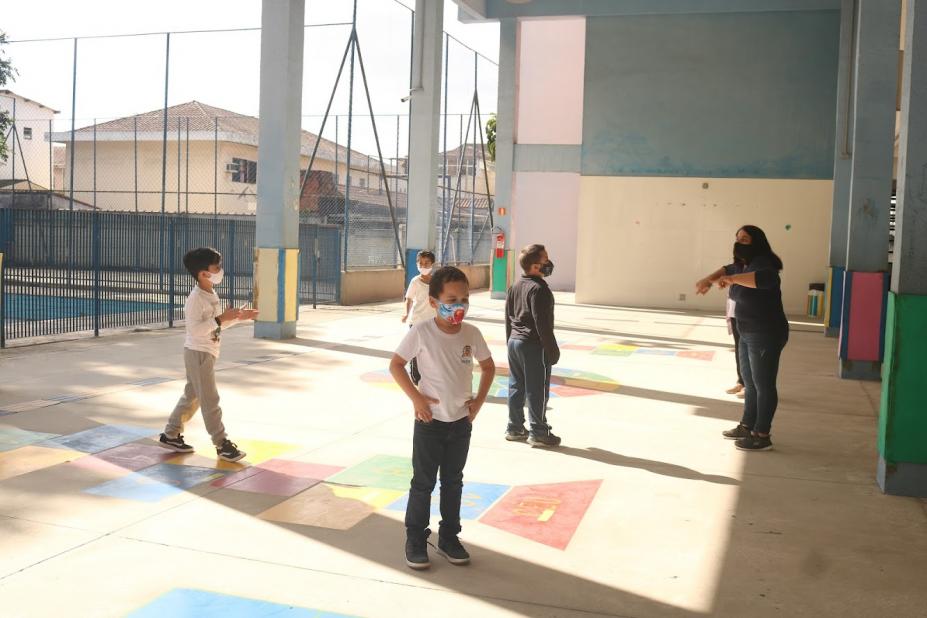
pixel 516 435
pixel 546 440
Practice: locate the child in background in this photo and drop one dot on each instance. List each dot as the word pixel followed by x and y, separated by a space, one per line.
pixel 417 304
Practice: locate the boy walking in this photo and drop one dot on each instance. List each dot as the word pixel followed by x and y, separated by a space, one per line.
pixel 205 321
pixel 532 348
pixel 445 409
pixel 417 301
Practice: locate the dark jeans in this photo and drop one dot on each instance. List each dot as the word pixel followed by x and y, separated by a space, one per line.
pixel 759 364
pixel 736 333
pixel 437 446
pixel 529 378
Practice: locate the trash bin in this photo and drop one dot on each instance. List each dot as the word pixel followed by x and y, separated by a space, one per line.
pixel 815 305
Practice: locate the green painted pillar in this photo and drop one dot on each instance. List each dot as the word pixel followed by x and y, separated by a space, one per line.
pixel 902 468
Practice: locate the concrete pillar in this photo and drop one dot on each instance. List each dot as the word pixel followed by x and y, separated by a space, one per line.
pixel 276 280
pixel 866 277
pixel 502 267
pixel 840 214
pixel 903 416
pixel 424 123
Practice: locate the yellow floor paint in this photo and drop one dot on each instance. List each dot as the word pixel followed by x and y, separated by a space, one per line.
pixel 31 458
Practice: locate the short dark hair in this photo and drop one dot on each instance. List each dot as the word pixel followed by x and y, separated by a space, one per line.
pixel 428 255
pixel 530 256
pixel 447 274
pixel 200 259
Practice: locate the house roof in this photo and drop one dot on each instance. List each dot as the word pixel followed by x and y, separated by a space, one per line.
pixel 10 93
pixel 233 127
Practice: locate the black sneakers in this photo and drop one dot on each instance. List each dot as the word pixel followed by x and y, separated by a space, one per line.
pixel 516 435
pixel 543 440
pixel 417 551
pixel 452 549
pixel 754 443
pixel 737 433
pixel 175 444
pixel 229 451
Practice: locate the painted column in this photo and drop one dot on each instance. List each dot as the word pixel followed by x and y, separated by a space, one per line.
pixel 424 124
pixel 843 139
pixel 866 277
pixel 277 239
pixel 502 266
pixel 903 416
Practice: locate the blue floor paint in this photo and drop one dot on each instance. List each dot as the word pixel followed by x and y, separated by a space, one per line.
pixel 186 603
pixel 100 438
pixel 135 486
pixel 476 499
pixel 13 438
pixel 181 477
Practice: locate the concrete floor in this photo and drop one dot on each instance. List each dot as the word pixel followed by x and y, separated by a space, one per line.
pixel 645 511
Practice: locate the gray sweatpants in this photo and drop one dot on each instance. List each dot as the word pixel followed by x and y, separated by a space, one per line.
pixel 200 393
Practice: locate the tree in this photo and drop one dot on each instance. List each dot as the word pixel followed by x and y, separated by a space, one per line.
pixel 491 137
pixel 7 73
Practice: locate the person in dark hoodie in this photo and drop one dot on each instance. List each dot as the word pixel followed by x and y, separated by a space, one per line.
pixel 532 348
pixel 764 332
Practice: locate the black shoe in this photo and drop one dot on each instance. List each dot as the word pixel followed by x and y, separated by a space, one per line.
pixel 545 440
pixel 754 443
pixel 229 451
pixel 452 550
pixel 516 435
pixel 737 433
pixel 417 551
pixel 175 444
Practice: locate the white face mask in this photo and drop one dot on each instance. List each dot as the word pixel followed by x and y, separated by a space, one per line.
pixel 216 278
pixel 425 271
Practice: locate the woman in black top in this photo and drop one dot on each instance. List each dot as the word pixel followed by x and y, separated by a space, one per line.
pixel 764 331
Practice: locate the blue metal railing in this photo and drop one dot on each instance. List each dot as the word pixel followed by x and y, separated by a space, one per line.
pixel 82 272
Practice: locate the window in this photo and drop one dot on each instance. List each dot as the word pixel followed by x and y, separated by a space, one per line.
pixel 362 183
pixel 27 133
pixel 244 171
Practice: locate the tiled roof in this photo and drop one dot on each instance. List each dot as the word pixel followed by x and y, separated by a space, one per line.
pixel 10 93
pixel 202 118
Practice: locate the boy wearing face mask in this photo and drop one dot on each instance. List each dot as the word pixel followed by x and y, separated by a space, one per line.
pixel 205 321
pixel 532 348
pixel 417 303
pixel 445 409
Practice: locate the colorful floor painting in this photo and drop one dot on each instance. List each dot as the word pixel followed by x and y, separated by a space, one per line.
pixel 14 437
pixel 622 350
pixel 332 506
pixel 100 438
pixel 563 383
pixel 548 514
pixel 476 499
pixel 31 458
pixel 155 483
pixel 277 477
pixel 186 603
pixel 381 471
pixel 258 451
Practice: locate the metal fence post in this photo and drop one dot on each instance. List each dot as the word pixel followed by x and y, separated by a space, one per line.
pixel 231 263
pixel 315 265
pixel 97 272
pixel 2 297
pixel 170 285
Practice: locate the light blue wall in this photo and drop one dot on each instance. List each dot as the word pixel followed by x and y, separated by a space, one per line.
pixel 744 95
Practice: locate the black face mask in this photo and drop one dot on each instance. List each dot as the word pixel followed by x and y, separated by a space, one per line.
pixel 547 269
pixel 744 253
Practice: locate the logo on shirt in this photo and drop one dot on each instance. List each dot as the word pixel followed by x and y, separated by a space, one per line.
pixel 466 357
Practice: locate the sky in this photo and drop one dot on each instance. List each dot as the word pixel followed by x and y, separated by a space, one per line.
pixel 123 76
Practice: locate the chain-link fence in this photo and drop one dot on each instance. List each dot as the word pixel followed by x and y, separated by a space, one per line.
pixel 167 124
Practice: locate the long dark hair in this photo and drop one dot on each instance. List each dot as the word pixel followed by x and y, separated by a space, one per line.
pixel 759 240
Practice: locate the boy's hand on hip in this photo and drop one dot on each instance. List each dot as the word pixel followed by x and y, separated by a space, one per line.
pixel 474 406
pixel 423 405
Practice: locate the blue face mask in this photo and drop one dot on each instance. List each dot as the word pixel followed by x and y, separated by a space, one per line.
pixel 453 314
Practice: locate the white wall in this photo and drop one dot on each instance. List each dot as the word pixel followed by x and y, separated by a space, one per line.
pixel 31 155
pixel 643 241
pixel 546 213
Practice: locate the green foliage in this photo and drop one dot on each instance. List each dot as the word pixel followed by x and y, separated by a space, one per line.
pixel 7 74
pixel 491 137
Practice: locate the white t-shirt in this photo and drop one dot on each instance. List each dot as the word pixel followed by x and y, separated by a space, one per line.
pixel 422 311
pixel 200 313
pixel 446 364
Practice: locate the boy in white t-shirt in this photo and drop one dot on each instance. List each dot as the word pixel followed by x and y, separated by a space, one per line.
pixel 444 412
pixel 417 301
pixel 205 321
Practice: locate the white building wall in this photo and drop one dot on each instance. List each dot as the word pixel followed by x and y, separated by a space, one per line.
pixel 32 155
